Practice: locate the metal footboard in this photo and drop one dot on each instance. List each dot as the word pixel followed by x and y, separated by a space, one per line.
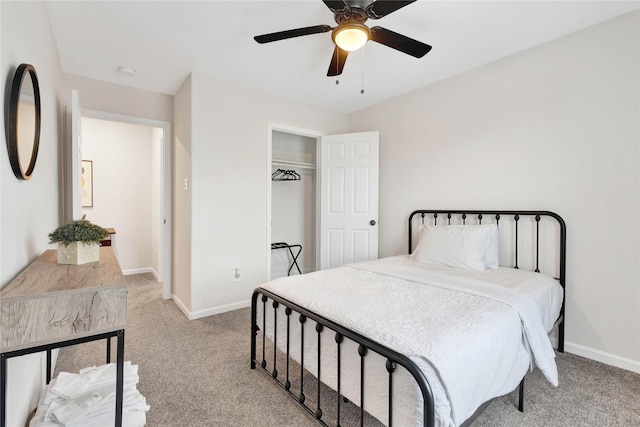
pixel 323 326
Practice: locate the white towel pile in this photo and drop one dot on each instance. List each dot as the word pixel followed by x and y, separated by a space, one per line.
pixel 88 399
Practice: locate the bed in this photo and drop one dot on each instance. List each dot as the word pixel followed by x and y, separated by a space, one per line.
pixel 423 339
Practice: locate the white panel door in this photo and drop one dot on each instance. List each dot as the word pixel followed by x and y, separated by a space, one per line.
pixel 348 175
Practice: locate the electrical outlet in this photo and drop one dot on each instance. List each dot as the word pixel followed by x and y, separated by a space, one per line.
pixel 236 274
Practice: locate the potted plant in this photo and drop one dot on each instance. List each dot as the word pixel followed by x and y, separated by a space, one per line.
pixel 78 241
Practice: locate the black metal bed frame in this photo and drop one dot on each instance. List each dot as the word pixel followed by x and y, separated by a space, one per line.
pixel 393 358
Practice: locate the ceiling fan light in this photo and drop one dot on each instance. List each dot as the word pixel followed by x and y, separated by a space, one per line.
pixel 351 37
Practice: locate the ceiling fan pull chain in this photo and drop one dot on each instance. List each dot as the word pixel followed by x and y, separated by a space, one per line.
pixel 337 66
pixel 362 77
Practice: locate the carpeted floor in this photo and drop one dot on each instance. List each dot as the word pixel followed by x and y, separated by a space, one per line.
pixel 196 373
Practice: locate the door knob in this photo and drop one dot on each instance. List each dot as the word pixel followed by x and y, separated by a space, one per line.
pixel 372 222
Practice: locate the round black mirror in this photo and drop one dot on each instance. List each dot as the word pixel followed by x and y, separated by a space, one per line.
pixel 23 121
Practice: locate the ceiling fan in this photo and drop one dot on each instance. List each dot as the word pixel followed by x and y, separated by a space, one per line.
pixel 352 33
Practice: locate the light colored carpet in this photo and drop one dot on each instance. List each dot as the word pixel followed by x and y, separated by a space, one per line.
pixel 196 373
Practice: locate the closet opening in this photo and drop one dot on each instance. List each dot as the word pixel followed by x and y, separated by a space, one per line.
pixel 293 194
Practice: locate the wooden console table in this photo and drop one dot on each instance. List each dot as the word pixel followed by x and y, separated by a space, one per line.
pixel 51 305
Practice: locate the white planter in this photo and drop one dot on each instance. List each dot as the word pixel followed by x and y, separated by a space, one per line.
pixel 78 253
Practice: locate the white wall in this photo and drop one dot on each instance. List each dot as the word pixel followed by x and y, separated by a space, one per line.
pixel 124 161
pixel 230 175
pixel 29 210
pixel 118 99
pixel 555 128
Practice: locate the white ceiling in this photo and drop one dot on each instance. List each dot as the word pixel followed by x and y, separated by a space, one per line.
pixel 164 41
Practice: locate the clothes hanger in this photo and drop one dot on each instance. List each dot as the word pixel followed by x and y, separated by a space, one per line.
pixel 285 175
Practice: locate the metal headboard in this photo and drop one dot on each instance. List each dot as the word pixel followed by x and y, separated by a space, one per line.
pixel 447 217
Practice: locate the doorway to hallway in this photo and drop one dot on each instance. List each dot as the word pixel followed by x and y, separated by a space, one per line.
pixel 131 189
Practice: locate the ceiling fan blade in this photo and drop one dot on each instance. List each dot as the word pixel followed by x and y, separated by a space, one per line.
pixel 380 8
pixel 281 35
pixel 337 62
pixel 399 42
pixel 335 5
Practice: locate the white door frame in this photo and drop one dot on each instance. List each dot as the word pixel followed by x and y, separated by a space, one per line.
pixel 273 126
pixel 165 275
pixel 72 173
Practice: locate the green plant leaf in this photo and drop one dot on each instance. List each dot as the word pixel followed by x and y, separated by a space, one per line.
pixel 79 230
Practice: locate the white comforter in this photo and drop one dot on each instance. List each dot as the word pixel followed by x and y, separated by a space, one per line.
pixel 474 340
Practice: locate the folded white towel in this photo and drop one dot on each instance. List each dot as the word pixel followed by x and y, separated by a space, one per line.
pixel 87 399
pixel 39 421
pixel 70 386
pixel 98 405
pixel 129 419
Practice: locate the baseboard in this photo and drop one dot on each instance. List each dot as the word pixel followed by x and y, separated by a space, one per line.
pixel 603 357
pixel 219 309
pixel 193 315
pixel 141 271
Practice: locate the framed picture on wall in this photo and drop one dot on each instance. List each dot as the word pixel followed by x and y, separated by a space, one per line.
pixel 87 184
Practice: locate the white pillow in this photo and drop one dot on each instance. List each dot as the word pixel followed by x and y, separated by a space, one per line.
pixel 492 261
pixel 465 246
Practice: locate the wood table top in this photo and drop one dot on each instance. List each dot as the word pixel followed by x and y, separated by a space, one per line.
pixel 45 275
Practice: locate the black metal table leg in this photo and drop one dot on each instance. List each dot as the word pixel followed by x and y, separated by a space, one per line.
pixel 48 366
pixel 119 378
pixel 3 389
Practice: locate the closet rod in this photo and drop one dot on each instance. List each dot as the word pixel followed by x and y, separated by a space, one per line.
pixel 291 164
